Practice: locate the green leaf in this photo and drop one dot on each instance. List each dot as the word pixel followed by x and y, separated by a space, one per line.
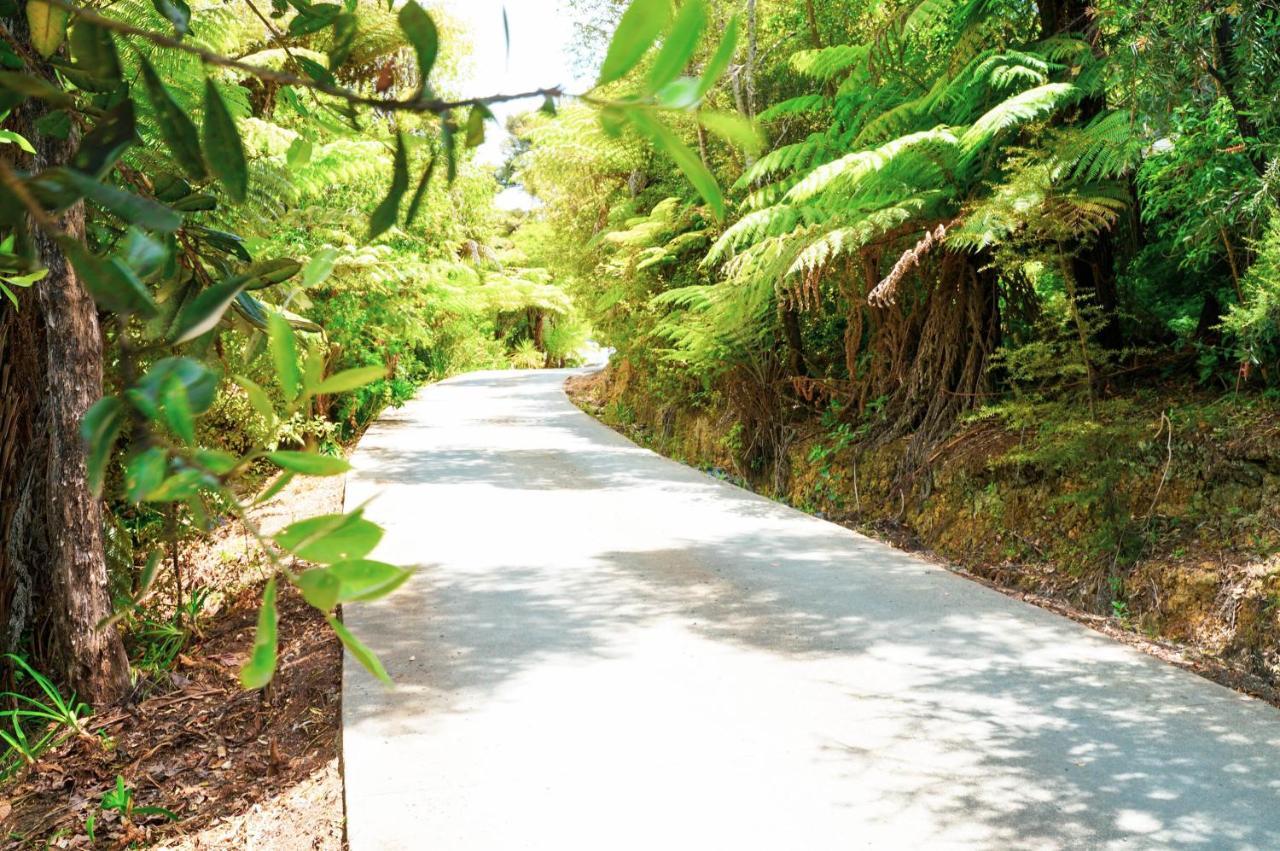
pixel 681 93
pixel 363 654
pixel 422 34
pixel 47 25
pixel 30 85
pixel 349 379
pixel 200 315
pixel 181 486
pixel 176 12
pixel 177 410
pixel 313 18
pixel 684 158
pixel 216 461
pixel 8 137
pixel 284 355
pixel 475 125
pixel 100 427
pixel 144 473
pixel 144 254
pixel 115 131
pixel 270 272
pixel 362 579
pixel 222 141
pixel 281 481
pixel 733 128
pixel 679 45
pixel 345 28
pixel 257 398
pixel 299 153
pixel 176 127
pixel 641 24
pixel 196 203
pixel 420 193
pixel 720 60
pixel 309 463
pixel 389 210
pixel 95 52
pixel 133 209
pixel 257 672
pixel 319 267
pixel 112 284
pixel 320 588
pixel 200 383
pixel 331 537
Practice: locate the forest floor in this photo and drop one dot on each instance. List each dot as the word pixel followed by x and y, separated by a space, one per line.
pixel 238 769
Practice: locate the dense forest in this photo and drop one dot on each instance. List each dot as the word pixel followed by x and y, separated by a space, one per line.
pixel 997 278
pixel 993 278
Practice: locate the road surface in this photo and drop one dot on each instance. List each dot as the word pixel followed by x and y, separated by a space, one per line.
pixel 603 649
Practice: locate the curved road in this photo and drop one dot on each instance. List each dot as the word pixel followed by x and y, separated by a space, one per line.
pixel 604 649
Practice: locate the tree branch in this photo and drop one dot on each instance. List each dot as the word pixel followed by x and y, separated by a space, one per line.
pixel 435 106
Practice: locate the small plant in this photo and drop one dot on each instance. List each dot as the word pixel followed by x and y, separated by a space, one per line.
pixel 120 799
pixel 57 717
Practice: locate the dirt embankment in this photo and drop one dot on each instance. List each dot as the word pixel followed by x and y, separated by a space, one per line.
pixel 1155 519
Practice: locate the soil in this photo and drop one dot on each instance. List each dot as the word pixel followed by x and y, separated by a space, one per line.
pixel 237 769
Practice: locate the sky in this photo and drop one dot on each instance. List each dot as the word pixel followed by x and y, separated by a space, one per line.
pixel 540 37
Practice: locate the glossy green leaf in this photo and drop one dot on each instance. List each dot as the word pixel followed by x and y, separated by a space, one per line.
pixel 176 12
pixel 176 127
pixel 177 409
pixel 356 648
pixel 100 427
pixel 216 461
pixel 260 668
pixel 679 46
pixel 320 588
pixel 420 193
pixel 222 143
pixel 362 579
pixel 144 473
pixel 284 355
pixel 331 538
pixel 720 60
pixel 257 398
pixel 203 313
pixel 133 209
pixel 113 285
pixel 280 483
pixel 199 382
pixel 688 162
pixel 733 128
pixel 8 137
pixel 345 29
pixel 299 153
pixel 309 463
pixel 422 34
pixel 349 379
pixel 475 125
pixel 680 93
pixel 640 26
pixel 319 267
pixel 389 210
pixel 270 272
pixel 316 17
pixel 95 52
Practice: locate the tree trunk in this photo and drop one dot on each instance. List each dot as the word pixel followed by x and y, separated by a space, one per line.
pixel 1093 265
pixel 52 564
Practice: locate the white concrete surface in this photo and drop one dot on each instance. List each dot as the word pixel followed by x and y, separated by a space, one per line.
pixel 607 650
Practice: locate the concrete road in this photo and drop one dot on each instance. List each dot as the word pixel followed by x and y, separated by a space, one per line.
pixel 604 649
